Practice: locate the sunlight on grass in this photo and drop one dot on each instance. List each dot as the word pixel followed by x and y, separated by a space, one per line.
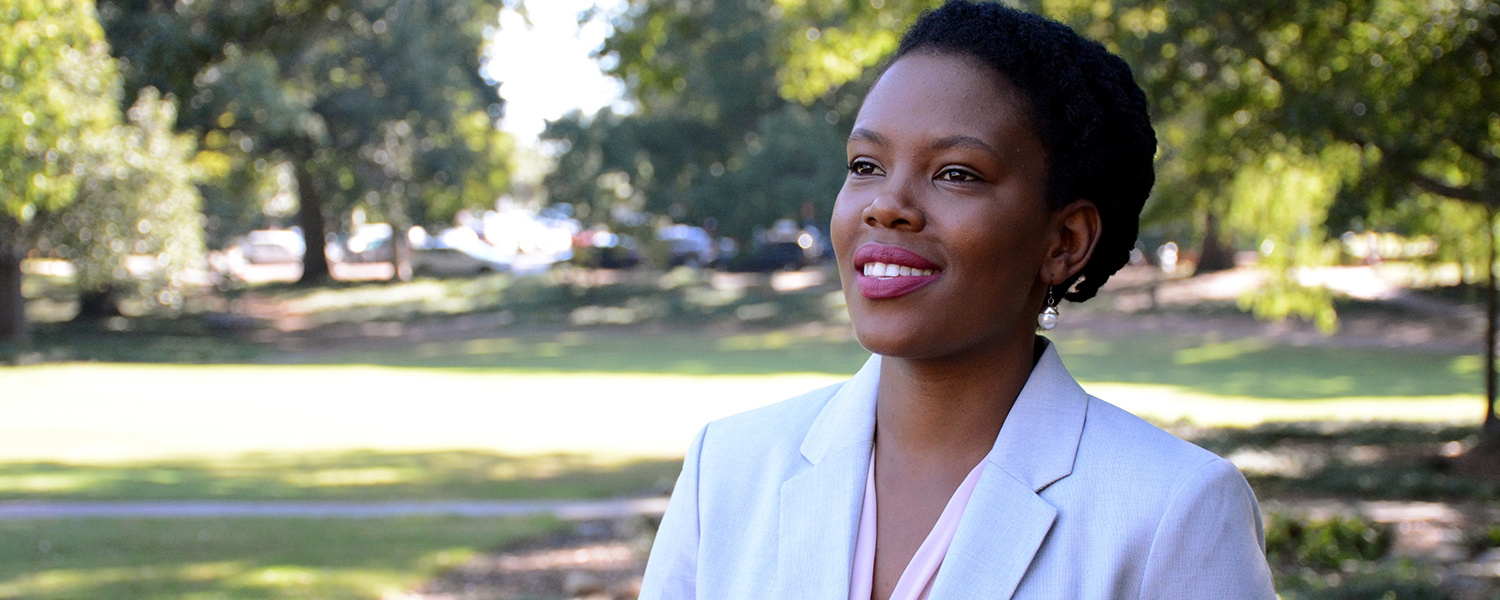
pixel 354 477
pixel 361 475
pixel 155 412
pixel 1466 365
pixel 28 484
pixel 241 558
pixel 1219 351
pixel 1168 404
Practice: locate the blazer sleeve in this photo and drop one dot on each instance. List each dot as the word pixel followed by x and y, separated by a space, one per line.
pixel 672 568
pixel 1210 542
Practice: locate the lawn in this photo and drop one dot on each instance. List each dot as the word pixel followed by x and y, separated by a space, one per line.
pixel 525 395
pixel 359 475
pixel 599 410
pixel 211 559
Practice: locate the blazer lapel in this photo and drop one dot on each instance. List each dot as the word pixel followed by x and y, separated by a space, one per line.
pixel 987 560
pixel 819 520
pixel 820 506
pixel 1007 520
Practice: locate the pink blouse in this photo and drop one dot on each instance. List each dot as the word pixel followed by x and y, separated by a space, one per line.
pixel 916 579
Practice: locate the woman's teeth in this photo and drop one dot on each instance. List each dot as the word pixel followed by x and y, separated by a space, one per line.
pixel 876 269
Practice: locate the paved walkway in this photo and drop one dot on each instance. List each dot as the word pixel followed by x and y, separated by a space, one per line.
pixel 571 510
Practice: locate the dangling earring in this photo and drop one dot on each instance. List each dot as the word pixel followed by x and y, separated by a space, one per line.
pixel 1048 317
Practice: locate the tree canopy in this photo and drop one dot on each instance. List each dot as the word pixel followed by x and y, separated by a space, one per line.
pixel 372 102
pixel 1278 123
pixel 715 135
pixel 77 180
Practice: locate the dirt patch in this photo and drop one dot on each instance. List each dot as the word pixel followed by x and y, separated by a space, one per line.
pixel 597 560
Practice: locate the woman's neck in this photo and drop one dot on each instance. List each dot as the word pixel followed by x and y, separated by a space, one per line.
pixel 953 407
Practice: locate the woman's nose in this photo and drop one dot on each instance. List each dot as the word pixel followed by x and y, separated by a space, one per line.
pixel 895 208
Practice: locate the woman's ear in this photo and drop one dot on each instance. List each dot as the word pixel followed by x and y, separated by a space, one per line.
pixel 1075 232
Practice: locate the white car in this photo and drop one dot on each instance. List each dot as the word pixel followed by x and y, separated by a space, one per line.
pixel 269 246
pixel 456 252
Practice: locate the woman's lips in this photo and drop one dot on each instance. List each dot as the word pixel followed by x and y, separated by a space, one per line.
pixel 883 271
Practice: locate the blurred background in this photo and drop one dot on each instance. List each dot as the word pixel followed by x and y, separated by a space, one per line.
pixel 426 298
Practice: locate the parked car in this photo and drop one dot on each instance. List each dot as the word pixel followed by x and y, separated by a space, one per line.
pixel 444 260
pixel 784 246
pixel 455 252
pixel 601 249
pixel 270 246
pixel 370 243
pixel 688 245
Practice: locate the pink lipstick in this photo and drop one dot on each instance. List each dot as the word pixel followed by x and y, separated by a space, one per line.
pixel 884 272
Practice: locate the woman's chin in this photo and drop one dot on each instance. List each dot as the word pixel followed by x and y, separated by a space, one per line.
pixel 889 339
pixel 925 338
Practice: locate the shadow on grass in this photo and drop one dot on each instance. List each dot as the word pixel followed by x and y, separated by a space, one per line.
pixel 242 558
pixel 1246 367
pixel 1366 461
pixel 625 350
pixel 679 323
pixel 361 476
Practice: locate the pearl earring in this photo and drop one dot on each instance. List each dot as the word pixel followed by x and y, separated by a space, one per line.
pixel 1048 317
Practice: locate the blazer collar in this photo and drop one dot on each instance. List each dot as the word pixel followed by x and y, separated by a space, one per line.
pixel 1039 441
pixel 1004 525
pixel 820 506
pixel 848 418
pixel 1036 446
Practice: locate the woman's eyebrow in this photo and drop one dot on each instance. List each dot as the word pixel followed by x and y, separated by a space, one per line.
pixel 865 135
pixel 954 141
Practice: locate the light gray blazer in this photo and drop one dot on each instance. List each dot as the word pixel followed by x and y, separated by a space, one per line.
pixel 1081 500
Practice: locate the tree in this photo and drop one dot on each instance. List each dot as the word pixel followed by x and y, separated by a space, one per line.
pixel 116 198
pixel 57 88
pixel 1281 120
pixel 134 225
pixel 716 134
pixel 1409 86
pixel 378 102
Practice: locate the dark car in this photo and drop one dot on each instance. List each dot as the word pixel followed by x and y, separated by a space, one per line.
pixel 783 247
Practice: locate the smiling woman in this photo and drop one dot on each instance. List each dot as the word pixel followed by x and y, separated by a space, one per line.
pixel 999 163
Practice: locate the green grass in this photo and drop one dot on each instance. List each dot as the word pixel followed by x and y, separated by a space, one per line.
pixel 241 558
pixel 1249 367
pixel 677 323
pixel 1370 461
pixel 354 476
pixel 617 350
pixel 544 407
pixel 1199 363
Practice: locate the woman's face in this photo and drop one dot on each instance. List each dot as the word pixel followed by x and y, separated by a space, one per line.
pixel 941 228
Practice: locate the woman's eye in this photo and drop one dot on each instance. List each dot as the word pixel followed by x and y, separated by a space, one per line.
pixel 863 167
pixel 957 175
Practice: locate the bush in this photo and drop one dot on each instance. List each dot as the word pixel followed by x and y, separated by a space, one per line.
pixel 1325 544
pixel 1380 582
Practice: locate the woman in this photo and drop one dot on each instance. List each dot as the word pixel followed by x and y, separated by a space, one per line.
pixel 999 163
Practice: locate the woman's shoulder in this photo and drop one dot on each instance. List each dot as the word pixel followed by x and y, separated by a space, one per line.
pixel 783 423
pixel 1130 438
pixel 1119 450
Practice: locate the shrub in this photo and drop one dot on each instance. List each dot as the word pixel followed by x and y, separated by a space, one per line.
pixel 1325 544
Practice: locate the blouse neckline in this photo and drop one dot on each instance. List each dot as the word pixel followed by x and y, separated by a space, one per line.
pixel 916 579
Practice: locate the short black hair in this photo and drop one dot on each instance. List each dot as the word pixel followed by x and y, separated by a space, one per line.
pixel 1082 102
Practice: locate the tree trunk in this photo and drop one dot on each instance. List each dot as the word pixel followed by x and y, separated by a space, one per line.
pixel 1216 255
pixel 1491 423
pixel 12 303
pixel 95 305
pixel 400 246
pixel 314 227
